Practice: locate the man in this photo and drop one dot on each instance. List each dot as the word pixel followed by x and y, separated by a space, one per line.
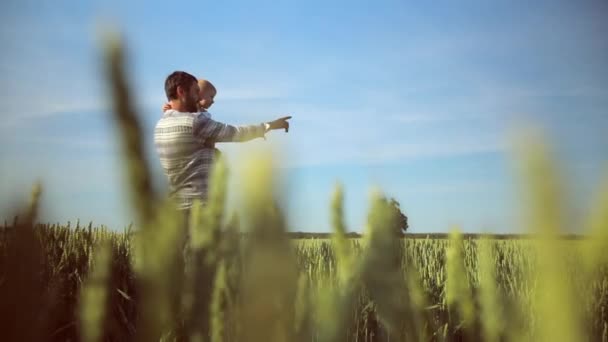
pixel 184 138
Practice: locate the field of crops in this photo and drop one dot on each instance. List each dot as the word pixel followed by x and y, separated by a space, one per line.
pixel 200 279
pixel 64 285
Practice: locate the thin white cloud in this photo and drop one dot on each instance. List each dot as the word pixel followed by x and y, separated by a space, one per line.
pixel 422 118
pixel 47 141
pixel 296 156
pixel 455 187
pixel 16 116
pixel 252 92
pixel 408 151
pixel 382 154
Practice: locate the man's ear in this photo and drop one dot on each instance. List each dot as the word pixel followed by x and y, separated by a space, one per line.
pixel 180 91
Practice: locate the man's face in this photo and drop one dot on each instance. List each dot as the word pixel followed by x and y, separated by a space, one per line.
pixel 206 97
pixel 190 98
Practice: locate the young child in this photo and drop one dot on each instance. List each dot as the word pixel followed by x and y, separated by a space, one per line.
pixel 207 94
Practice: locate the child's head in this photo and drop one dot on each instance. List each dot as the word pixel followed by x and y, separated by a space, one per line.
pixel 206 94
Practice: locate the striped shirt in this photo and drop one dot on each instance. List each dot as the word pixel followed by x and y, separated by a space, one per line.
pixel 184 143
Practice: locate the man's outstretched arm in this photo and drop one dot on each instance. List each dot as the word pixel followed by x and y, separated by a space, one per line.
pixel 207 129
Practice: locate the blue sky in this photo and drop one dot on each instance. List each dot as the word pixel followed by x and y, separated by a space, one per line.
pixel 418 99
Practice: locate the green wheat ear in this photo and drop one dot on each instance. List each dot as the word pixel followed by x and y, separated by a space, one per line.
pixel 457 291
pixel 34 205
pixel 94 294
pixel 340 242
pixel 204 254
pixel 493 322
pixel 269 279
pixel 381 264
pixel 218 304
pixel 160 238
pixel 302 317
pixel 597 226
pixel 208 218
pixel 333 304
pixel 557 313
pixel 138 178
pixel 23 293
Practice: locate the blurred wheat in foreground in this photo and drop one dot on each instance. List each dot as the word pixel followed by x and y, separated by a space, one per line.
pixel 151 283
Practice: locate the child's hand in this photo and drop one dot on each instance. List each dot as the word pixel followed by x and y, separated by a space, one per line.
pixel 166 107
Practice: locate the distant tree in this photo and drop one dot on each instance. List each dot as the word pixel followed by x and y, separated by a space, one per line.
pixel 402 218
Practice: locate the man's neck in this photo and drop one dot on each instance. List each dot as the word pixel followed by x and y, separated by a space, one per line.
pixel 177 105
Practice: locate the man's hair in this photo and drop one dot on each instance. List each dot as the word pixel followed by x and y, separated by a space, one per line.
pixel 178 79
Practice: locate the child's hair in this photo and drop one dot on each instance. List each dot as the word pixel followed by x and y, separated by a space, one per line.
pixel 205 85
